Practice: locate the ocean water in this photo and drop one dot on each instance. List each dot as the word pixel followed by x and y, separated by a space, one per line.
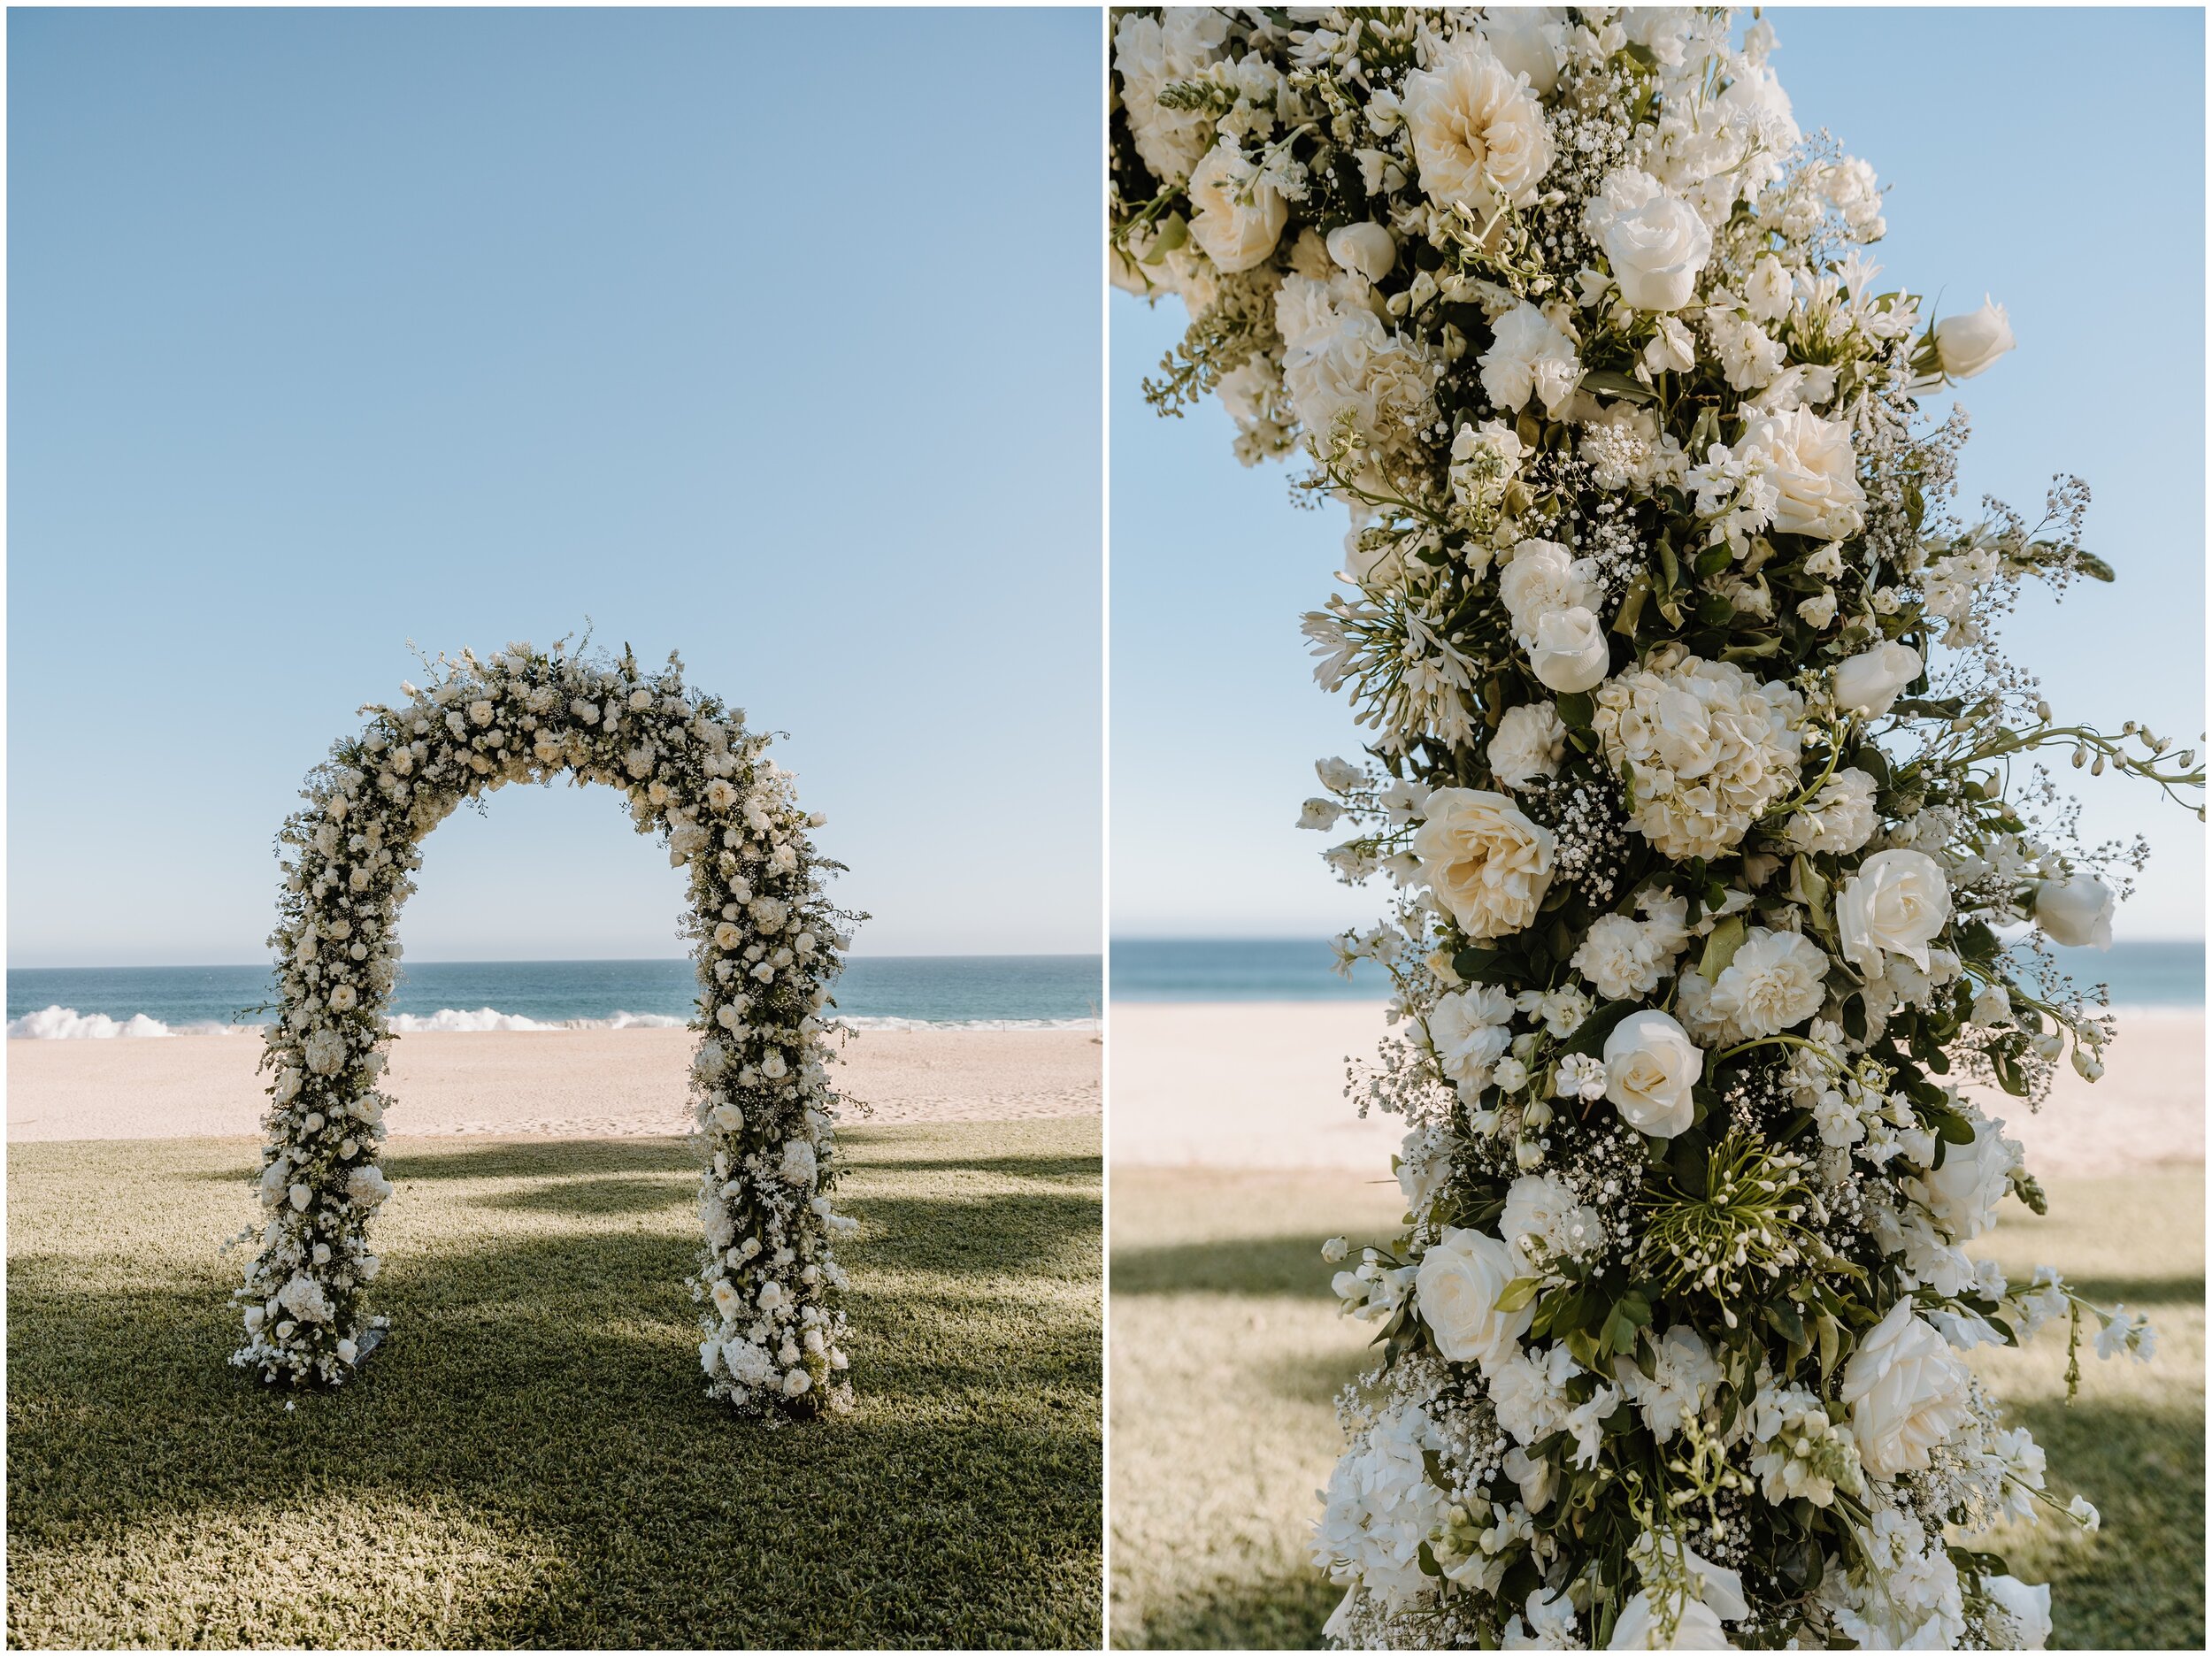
pixel 2146 975
pixel 881 991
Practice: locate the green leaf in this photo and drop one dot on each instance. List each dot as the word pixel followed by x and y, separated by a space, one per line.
pixel 1611 382
pixel 1517 1293
pixel 1721 945
pixel 1576 709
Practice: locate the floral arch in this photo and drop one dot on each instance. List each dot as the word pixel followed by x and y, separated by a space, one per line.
pixel 765 937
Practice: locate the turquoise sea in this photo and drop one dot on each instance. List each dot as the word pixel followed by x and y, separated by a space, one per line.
pixel 1037 991
pixel 2168 975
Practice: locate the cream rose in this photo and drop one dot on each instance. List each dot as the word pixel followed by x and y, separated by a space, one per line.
pixel 1488 863
pixel 2076 911
pixel 1238 218
pixel 1479 136
pixel 1907 1393
pixel 1650 1069
pixel 1897 902
pixel 1963 1196
pixel 1654 240
pixel 1569 651
pixel 1530 742
pixel 1814 470
pixel 1870 682
pixel 1966 345
pixel 1458 1283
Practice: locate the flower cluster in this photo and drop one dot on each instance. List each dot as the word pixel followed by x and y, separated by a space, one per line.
pixel 1723 860
pixel 765 940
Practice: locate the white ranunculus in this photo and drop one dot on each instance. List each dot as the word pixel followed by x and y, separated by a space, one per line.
pixel 2027 1606
pixel 1478 137
pixel 1530 740
pixel 1967 344
pixel 1238 219
pixel 1458 1283
pixel 1897 902
pixel 1654 240
pixel 1488 864
pixel 1775 982
pixel 1813 469
pixel 1650 1069
pixel 1870 682
pixel 1569 651
pixel 1963 1196
pixel 1640 1626
pixel 1907 1393
pixel 2076 911
pixel 1367 249
pixel 1528 357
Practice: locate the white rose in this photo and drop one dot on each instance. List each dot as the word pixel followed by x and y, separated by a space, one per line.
pixel 2028 1606
pixel 1528 357
pixel 1477 135
pixel 1522 37
pixel 1540 577
pixel 1897 902
pixel 1530 742
pixel 1870 682
pixel 1813 469
pixel 1654 240
pixel 1239 219
pixel 1640 1627
pixel 2076 911
pixel 1775 981
pixel 1963 1196
pixel 1458 1283
pixel 1570 652
pixel 1365 249
pixel 1488 863
pixel 1966 345
pixel 1839 818
pixel 1907 1393
pixel 1650 1067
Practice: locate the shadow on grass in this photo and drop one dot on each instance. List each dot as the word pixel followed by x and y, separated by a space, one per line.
pixel 1280 1614
pixel 1026 1233
pixel 1252 1265
pixel 613 1194
pixel 1017 1166
pixel 2141 1291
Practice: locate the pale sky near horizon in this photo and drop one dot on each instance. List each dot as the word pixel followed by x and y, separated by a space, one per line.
pixel 2054 159
pixel 769 337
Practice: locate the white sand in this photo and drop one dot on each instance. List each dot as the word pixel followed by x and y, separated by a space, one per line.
pixel 575 1082
pixel 1261 1085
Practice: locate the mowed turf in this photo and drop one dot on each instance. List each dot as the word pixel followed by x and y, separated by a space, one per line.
pixel 530 1460
pixel 1227 1350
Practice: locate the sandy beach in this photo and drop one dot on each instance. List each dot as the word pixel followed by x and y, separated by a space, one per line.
pixel 565 1082
pixel 1260 1085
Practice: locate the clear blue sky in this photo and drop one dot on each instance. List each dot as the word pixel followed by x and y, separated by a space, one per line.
pixel 771 337
pixel 2052 157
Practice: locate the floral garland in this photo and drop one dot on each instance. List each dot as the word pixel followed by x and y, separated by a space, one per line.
pixel 1706 866
pixel 765 940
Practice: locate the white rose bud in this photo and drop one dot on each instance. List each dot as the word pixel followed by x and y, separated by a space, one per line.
pixel 1458 1283
pixel 1870 682
pixel 1570 653
pixel 1650 1067
pixel 2076 911
pixel 1367 249
pixel 1966 345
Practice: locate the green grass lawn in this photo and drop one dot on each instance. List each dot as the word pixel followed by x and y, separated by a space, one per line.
pixel 530 1459
pixel 1227 1350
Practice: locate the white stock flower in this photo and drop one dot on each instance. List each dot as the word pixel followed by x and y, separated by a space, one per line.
pixel 1650 1069
pixel 2076 911
pixel 1706 747
pixel 1528 357
pixel 1529 743
pixel 1870 682
pixel 1458 1283
pixel 1897 902
pixel 1907 1393
pixel 1967 344
pixel 1774 982
pixel 1480 139
pixel 1655 241
pixel 304 1298
pixel 1486 863
pixel 1814 472
pixel 1239 217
